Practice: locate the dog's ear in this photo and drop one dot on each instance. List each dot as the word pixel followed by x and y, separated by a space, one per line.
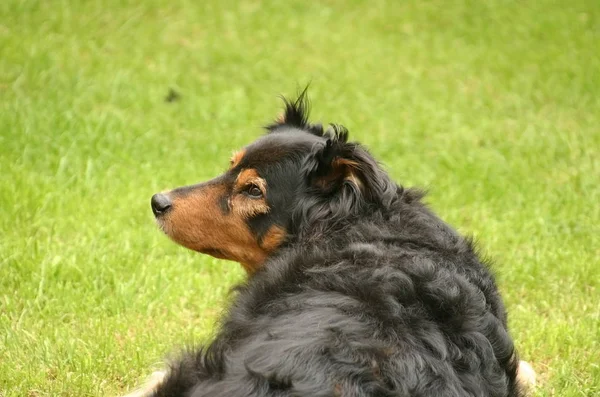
pixel 343 179
pixel 342 166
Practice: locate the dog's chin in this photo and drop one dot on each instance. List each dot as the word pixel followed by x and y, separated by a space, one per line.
pixel 216 253
pixel 161 225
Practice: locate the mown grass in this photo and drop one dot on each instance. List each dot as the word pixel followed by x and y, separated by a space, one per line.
pixel 493 106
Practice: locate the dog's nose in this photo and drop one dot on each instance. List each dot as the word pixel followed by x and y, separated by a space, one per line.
pixel 161 203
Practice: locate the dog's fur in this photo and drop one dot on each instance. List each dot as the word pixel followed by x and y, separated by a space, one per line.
pixel 355 287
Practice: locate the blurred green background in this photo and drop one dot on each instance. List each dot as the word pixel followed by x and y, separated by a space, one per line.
pixel 494 106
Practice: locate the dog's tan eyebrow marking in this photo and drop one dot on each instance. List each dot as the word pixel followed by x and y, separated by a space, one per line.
pixel 236 158
pixel 249 175
pixel 249 208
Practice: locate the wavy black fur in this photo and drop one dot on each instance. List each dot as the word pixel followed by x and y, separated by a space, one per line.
pixel 372 295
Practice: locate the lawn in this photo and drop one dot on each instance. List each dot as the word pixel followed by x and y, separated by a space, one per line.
pixel 493 106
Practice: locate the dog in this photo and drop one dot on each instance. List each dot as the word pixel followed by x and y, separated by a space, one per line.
pixel 355 288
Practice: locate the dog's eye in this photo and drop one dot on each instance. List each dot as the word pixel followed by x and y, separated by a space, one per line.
pixel 253 191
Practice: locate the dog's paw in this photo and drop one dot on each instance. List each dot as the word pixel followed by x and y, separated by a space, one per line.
pixel 150 386
pixel 526 375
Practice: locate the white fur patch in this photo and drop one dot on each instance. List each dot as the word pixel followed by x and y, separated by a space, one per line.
pixel 150 386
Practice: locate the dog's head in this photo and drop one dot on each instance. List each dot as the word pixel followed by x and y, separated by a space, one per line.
pixel 299 181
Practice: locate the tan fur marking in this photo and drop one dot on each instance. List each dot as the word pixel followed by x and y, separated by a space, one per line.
pixel 340 162
pixel 354 179
pixel 248 207
pixel 197 222
pixel 349 168
pixel 237 157
pixel 273 238
pixel 342 168
pixel 249 176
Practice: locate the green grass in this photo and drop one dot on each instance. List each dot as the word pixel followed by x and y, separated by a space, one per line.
pixel 494 106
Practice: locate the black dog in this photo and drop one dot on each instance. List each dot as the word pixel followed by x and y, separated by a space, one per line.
pixel 355 287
